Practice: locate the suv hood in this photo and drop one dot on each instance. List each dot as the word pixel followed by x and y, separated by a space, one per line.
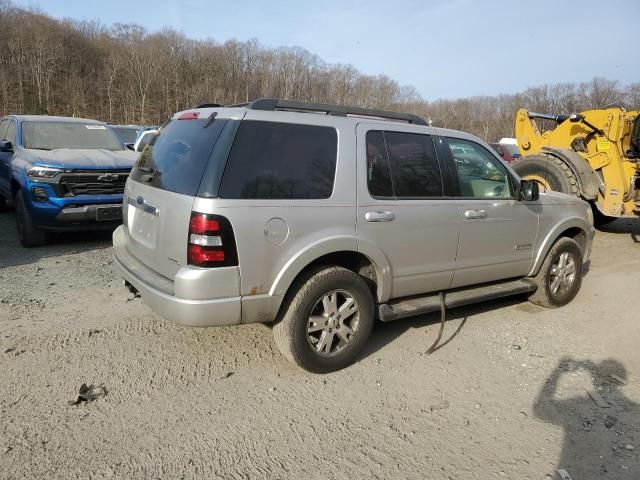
pixel 82 159
pixel 553 197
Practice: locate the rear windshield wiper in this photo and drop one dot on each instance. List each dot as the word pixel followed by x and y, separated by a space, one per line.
pixel 210 120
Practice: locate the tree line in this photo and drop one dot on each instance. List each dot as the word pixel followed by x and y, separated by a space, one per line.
pixel 125 74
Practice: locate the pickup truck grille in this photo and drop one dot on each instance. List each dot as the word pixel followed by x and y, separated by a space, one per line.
pixel 98 183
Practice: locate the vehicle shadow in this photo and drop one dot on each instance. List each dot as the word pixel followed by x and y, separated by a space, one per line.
pixel 629 226
pixel 385 333
pixel 598 431
pixel 13 254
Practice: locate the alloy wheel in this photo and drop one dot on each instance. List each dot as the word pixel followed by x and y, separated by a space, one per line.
pixel 562 274
pixel 333 322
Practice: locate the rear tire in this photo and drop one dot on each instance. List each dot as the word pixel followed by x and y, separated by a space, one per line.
pixel 28 235
pixel 326 321
pixel 560 276
pixel 554 173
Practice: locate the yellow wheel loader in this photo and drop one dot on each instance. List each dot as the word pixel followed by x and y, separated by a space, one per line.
pixel 594 155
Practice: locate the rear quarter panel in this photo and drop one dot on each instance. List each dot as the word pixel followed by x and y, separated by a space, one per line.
pixel 277 238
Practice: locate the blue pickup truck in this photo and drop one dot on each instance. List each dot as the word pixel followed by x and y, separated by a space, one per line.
pixel 61 174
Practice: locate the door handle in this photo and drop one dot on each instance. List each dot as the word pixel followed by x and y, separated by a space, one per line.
pixel 379 216
pixel 475 214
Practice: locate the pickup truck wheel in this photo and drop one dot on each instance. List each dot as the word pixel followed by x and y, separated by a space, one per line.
pixel 326 321
pixel 28 235
pixel 560 276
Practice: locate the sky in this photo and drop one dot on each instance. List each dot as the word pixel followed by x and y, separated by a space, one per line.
pixel 446 49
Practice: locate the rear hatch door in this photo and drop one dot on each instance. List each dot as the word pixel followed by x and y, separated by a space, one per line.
pixel 162 187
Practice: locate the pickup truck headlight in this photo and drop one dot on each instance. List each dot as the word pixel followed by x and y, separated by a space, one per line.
pixel 41 172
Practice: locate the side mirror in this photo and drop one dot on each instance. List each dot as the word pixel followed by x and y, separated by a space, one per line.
pixel 575 118
pixel 129 146
pixel 529 190
pixel 6 146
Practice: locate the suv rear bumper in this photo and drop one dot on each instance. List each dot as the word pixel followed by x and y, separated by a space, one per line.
pixel 157 292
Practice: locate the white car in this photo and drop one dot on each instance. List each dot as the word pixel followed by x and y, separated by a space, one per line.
pixel 143 139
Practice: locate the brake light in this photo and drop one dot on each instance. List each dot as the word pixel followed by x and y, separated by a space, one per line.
pixel 202 224
pixel 211 242
pixel 189 116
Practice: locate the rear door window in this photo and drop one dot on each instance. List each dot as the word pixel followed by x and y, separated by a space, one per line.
pixel 402 165
pixel 3 128
pixel 378 169
pixel 11 132
pixel 175 159
pixel 272 160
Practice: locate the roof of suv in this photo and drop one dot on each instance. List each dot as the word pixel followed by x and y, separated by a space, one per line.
pixel 48 118
pixel 273 105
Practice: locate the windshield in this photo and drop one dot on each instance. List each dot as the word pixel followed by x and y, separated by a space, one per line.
pixel 126 134
pixel 56 135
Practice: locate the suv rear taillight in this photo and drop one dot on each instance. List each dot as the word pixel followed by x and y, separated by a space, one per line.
pixel 211 241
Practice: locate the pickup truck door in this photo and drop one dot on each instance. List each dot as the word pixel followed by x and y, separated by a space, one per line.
pixel 5 160
pixel 497 231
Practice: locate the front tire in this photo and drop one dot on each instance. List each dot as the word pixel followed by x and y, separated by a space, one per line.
pixel 326 322
pixel 28 235
pixel 560 276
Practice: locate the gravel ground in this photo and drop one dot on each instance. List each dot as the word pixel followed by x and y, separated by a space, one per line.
pixel 504 397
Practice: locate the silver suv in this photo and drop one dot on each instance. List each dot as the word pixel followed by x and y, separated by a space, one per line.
pixel 321 219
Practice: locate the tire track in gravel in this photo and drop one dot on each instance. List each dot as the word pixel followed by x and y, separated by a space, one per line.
pixel 172 412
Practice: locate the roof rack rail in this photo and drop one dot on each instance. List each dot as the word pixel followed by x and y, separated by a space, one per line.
pixel 272 104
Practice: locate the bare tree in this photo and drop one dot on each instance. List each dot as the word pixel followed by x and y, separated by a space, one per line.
pixel 125 74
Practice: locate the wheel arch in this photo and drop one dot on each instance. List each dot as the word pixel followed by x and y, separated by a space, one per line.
pixel 348 252
pixel 588 180
pixel 575 228
pixel 15 186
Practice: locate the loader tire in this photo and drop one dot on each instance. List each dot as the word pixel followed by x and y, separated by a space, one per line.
pixel 551 172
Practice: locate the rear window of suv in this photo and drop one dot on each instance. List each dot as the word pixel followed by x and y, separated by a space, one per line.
pixel 272 160
pixel 176 158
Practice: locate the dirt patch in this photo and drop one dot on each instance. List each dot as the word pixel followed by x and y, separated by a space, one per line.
pixel 505 397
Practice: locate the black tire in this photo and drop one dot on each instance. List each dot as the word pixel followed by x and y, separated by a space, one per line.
pixel 554 171
pixel 544 280
pixel 28 235
pixel 3 203
pixel 290 331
